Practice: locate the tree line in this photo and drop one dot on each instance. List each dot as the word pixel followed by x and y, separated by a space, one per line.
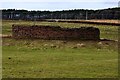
pixel 13 14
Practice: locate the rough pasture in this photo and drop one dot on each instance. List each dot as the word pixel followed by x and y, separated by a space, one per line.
pixel 60 58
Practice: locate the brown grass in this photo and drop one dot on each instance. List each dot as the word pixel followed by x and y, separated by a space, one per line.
pixel 107 21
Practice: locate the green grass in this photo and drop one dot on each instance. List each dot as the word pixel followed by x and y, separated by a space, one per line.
pixel 57 58
pixel 32 58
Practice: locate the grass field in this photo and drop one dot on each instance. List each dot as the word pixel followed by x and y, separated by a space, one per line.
pixel 58 58
pixel 92 20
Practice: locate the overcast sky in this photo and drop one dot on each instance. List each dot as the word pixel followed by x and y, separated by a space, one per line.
pixel 53 5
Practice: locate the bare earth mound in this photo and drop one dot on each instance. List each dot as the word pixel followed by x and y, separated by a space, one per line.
pixel 55 32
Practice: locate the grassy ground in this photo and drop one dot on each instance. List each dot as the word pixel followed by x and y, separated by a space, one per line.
pixel 57 58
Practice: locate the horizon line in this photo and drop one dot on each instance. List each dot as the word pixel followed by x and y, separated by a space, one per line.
pixel 57 10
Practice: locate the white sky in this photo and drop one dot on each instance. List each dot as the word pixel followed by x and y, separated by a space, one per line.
pixel 59 1
pixel 57 4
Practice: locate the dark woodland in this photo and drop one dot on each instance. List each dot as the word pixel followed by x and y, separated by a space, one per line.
pixel 110 13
